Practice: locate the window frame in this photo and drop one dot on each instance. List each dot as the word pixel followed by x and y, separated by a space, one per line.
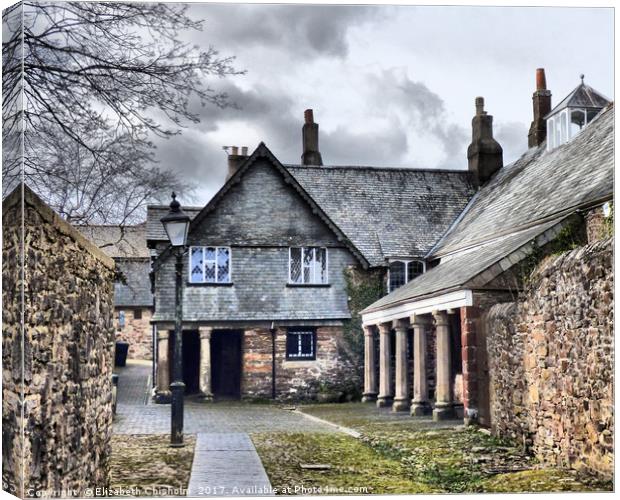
pixel 301 330
pixel 216 249
pixel 406 262
pixel 311 283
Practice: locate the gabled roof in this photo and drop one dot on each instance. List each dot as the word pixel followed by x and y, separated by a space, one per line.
pixel 529 199
pixel 582 96
pixel 136 291
pixel 387 212
pixel 116 241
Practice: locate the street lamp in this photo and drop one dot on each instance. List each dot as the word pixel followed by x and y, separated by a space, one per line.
pixel 176 224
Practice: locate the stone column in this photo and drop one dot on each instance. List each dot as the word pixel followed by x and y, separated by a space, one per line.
pixel 401 399
pixel 443 394
pixel 370 377
pixel 419 403
pixel 162 394
pixel 469 346
pixel 385 379
pixel 204 375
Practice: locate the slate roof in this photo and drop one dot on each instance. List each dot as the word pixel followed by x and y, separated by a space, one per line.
pixel 582 96
pixel 154 229
pixel 137 289
pixel 522 201
pixel 129 241
pixel 387 212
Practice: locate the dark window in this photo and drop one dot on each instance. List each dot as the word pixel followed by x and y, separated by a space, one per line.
pixel 397 275
pixel 301 343
pixel 137 314
pixel 414 269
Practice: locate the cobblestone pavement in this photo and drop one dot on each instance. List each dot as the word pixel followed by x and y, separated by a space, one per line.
pixel 136 414
pixel 134 382
pixel 227 465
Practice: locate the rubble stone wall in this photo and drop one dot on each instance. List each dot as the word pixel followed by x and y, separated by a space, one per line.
pixel 296 380
pixel 137 331
pixel 551 361
pixel 60 363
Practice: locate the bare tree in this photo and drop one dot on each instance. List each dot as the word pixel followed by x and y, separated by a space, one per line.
pixel 97 80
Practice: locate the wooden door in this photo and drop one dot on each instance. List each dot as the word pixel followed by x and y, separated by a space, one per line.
pixel 226 363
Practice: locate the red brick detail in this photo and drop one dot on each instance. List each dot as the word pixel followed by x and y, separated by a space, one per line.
pixel 469 321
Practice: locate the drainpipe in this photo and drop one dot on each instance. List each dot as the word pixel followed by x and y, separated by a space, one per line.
pixel 272 330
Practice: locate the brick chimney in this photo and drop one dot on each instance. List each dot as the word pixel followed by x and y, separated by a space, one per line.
pixel 484 153
pixel 541 100
pixel 235 159
pixel 310 139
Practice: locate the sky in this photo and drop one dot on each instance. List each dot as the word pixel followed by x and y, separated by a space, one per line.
pixel 390 86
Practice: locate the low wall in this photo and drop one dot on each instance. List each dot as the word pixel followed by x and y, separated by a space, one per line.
pixel 551 362
pixel 58 365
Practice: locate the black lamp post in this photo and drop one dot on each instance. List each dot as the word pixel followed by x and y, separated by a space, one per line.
pixel 176 224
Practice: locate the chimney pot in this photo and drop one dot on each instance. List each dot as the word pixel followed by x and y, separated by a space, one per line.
pixel 235 159
pixel 541 103
pixel 484 154
pixel 235 150
pixel 541 80
pixel 310 141
pixel 244 151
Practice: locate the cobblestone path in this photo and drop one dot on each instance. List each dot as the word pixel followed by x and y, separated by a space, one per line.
pixel 134 382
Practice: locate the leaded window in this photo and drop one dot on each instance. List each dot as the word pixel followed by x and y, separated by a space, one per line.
pixel 301 343
pixel 403 271
pixel 307 265
pixel 209 265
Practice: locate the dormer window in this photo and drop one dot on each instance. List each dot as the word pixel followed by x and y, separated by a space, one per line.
pixel 403 271
pixel 574 113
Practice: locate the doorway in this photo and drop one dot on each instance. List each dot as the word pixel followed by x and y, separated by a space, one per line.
pixel 226 364
pixel 191 360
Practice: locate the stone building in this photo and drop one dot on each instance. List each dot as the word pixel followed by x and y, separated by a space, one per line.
pixel 57 348
pixel 133 297
pixel 553 198
pixel 265 287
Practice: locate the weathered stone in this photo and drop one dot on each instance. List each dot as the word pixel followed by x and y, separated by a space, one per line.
pixel 551 371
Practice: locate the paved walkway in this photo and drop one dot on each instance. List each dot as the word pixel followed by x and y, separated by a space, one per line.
pixel 227 465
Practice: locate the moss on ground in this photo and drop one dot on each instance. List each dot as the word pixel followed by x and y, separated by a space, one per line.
pixel 450 458
pixel 353 465
pixel 147 465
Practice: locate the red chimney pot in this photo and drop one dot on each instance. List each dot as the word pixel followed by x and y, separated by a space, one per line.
pixel 541 81
pixel 308 116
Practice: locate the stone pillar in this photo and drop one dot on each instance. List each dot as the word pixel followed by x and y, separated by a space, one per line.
pixel 469 322
pixel 419 404
pixel 204 380
pixel 401 398
pixel 370 377
pixel 385 379
pixel 443 399
pixel 162 394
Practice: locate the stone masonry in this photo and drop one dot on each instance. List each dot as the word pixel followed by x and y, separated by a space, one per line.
pixel 136 331
pixel 551 361
pixel 59 363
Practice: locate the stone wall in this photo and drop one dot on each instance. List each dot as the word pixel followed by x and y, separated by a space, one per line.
pixel 551 361
pixel 295 380
pixel 137 331
pixel 60 363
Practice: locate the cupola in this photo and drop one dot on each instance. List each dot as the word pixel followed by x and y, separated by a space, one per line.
pixel 575 111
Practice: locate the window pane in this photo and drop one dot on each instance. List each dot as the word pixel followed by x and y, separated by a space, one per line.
pixel 291 345
pixel 321 254
pixel 210 272
pixel 414 269
pixel 295 264
pixel 397 275
pixel 307 345
pixel 196 265
pixel 209 253
pixel 223 265
pixel 307 268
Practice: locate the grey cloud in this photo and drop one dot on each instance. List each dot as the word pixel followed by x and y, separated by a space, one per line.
pixel 512 136
pixel 302 29
pixel 424 109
